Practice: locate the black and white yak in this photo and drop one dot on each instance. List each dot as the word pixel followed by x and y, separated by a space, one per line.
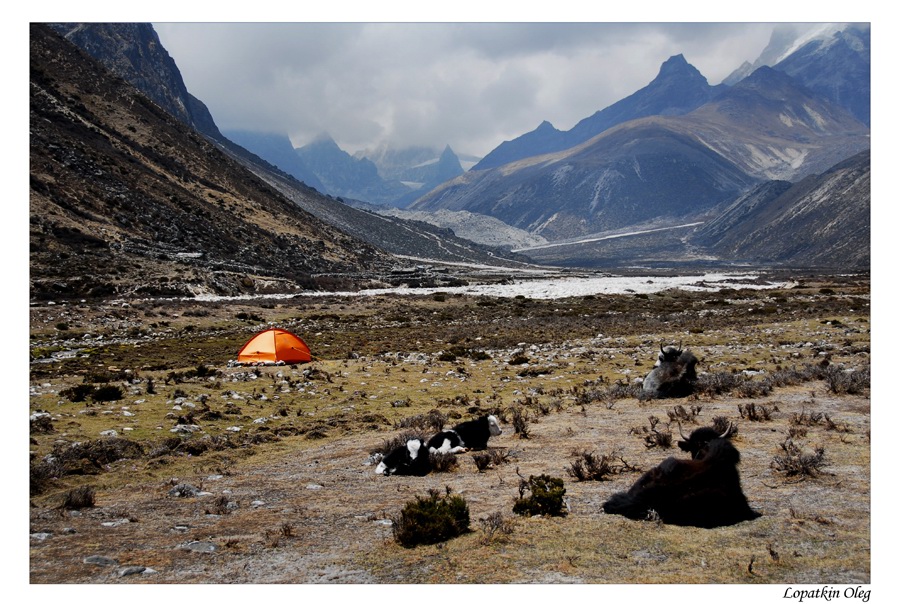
pixel 704 491
pixel 470 435
pixel 673 376
pixel 411 459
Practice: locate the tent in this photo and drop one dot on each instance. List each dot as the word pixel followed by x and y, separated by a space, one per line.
pixel 274 345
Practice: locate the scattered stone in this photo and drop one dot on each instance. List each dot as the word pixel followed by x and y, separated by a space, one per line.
pixel 110 433
pixel 41 536
pixel 113 523
pixel 101 561
pixel 257 503
pixel 184 490
pixel 185 428
pixel 131 570
pixel 314 487
pixel 200 546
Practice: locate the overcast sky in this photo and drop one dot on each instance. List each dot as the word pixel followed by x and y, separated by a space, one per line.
pixel 469 85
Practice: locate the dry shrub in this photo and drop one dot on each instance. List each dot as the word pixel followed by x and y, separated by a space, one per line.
pixel 755 413
pixel 806 418
pixel 98 453
pixel 652 436
pixel 79 498
pixel 219 506
pixel 40 423
pixel 590 466
pixel 443 462
pixel 495 528
pixel 433 420
pixel 721 382
pixel 520 422
pixel 484 459
pixel 720 424
pixel 44 473
pixel 793 462
pixel 847 381
pixel 680 414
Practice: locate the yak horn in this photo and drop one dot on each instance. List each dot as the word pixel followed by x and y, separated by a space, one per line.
pixel 727 430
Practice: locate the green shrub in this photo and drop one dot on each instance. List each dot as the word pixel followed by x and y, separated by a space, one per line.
pixel 79 393
pixel 431 519
pixel 546 497
pixel 107 393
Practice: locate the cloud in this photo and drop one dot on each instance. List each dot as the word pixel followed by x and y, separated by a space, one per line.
pixel 471 85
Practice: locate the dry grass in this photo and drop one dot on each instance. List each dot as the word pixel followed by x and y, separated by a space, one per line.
pixel 292 495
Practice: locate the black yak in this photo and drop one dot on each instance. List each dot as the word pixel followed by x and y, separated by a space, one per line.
pixel 704 491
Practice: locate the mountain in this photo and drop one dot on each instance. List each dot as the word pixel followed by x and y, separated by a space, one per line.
pixel 133 52
pixel 663 168
pixel 419 168
pixel 113 41
pixel 838 68
pixel 343 175
pixel 774 128
pixel 125 199
pixel 278 151
pixel 822 221
pixel 832 60
pixel 678 89
pixel 416 166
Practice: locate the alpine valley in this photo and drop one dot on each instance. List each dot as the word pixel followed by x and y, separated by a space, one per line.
pixel 135 190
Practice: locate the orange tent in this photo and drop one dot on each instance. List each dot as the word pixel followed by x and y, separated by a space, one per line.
pixel 273 345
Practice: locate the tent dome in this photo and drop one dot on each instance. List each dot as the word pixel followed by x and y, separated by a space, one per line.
pixel 274 345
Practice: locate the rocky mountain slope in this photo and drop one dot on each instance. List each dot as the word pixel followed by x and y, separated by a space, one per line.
pixel 834 62
pixel 121 48
pixel 823 220
pixel 664 167
pixel 127 200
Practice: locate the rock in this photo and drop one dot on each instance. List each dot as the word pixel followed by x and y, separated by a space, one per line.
pixel 200 546
pixel 184 490
pixel 101 561
pixel 131 570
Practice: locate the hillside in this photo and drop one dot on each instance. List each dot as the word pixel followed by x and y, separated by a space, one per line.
pixel 134 52
pixel 823 220
pixel 127 200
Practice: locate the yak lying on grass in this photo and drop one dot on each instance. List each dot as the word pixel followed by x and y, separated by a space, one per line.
pixel 473 434
pixel 414 457
pixel 674 375
pixel 704 491
pixel 410 459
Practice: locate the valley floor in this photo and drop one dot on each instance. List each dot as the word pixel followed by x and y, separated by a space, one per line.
pixel 281 457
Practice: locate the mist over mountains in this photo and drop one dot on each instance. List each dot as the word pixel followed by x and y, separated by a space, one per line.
pixel 679 173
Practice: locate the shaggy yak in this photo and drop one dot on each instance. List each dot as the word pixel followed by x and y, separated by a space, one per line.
pixel 704 491
pixel 673 376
